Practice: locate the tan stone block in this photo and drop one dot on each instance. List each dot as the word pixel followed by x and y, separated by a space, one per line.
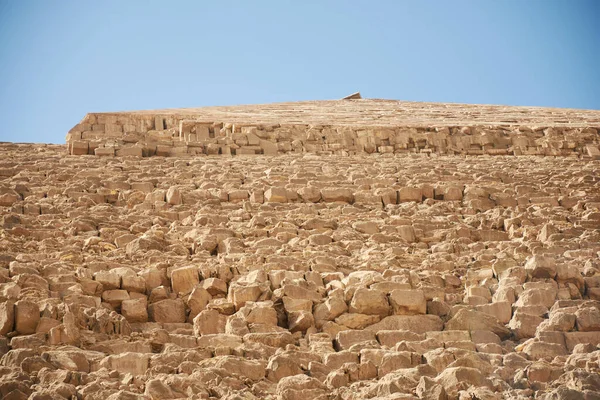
pixel 115 297
pixel 369 301
pixel 7 317
pixel 135 310
pixel 27 317
pixel 183 280
pixel 408 301
pixel 104 151
pixel 130 151
pixel 167 311
pixel 276 195
pixel 78 147
pixel 407 194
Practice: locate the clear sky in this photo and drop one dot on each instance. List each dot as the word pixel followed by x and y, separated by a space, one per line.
pixel 61 59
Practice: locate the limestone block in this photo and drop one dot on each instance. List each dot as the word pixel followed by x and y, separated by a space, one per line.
pixel 133 284
pixel 536 350
pixel 209 322
pixel 78 147
pixel 115 297
pixel 471 320
pixel 7 317
pixel 593 151
pixel 572 339
pixel 330 309
pixel 109 280
pixel 268 147
pixel 356 320
pixel 167 311
pixel 135 364
pixel 280 366
pixel 301 387
pixel 197 301
pixel 105 151
pixel 541 267
pixel 300 321
pixel 27 317
pixel 452 193
pixel 502 310
pixel 407 194
pixel 184 279
pixel 257 196
pixel 215 286
pixel 276 195
pixel 239 295
pixel 453 379
pixel 238 196
pixel 408 301
pixel 337 195
pixel 345 339
pixel 524 325
pixel 202 132
pixel 588 319
pixel 310 194
pixel 251 369
pixel 135 310
pixel 369 301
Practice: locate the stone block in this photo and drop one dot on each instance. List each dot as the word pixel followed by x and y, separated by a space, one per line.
pixel 407 194
pixel 78 147
pixel 408 302
pixel 27 317
pixel 167 311
pixel 130 151
pixel 184 279
pixel 104 151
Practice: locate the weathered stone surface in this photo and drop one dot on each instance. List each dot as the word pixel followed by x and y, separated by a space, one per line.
pixel 135 310
pixel 408 302
pixel 276 195
pixel 369 301
pixel 471 320
pixel 169 311
pixel 27 316
pixel 413 323
pixel 183 280
pixel 267 256
pixel 209 322
pixel 541 267
pixel 7 317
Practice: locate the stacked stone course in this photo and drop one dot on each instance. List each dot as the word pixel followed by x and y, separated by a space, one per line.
pixel 176 134
pixel 347 257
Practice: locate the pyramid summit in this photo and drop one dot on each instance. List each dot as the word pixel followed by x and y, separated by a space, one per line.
pixel 347 126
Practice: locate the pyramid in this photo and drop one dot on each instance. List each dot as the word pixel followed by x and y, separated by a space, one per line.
pixel 346 249
pixel 349 126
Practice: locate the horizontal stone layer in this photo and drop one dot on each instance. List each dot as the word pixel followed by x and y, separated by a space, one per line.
pixel 341 128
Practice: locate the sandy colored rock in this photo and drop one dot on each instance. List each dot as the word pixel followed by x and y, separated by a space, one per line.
pixel 184 279
pixel 170 311
pixel 135 310
pixel 471 320
pixel 27 316
pixel 369 301
pixel 408 302
pixel 7 317
pixel 346 249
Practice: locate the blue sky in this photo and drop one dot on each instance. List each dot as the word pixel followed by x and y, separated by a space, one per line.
pixel 62 59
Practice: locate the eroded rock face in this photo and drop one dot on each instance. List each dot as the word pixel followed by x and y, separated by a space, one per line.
pixel 300 276
pixel 360 126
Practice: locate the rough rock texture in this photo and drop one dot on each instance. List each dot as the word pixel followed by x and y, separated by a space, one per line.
pixel 321 273
pixel 354 126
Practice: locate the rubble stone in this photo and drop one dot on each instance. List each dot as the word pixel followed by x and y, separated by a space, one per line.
pixel 346 249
